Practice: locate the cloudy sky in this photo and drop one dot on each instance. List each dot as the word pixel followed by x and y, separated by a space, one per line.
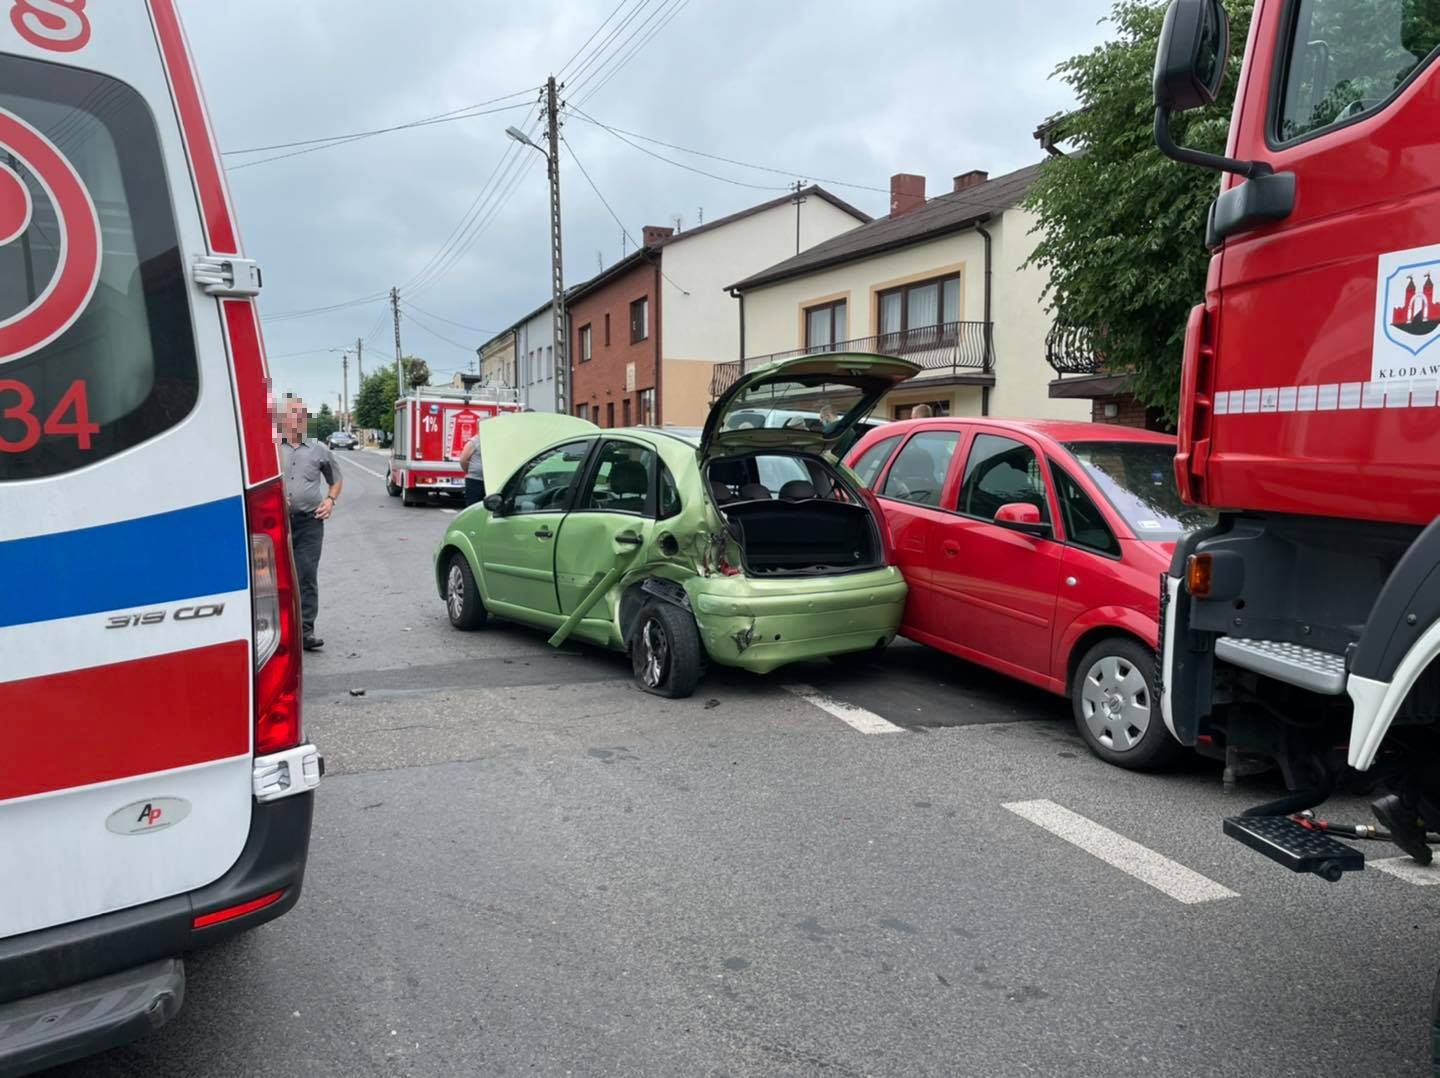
pixel 842 90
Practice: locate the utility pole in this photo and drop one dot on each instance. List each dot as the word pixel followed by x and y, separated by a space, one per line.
pixel 399 373
pixel 557 273
pixel 345 386
pixel 359 362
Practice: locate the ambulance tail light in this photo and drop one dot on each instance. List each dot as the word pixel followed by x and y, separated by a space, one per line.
pixel 275 600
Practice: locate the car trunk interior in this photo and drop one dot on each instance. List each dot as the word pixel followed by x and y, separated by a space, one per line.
pixel 791 515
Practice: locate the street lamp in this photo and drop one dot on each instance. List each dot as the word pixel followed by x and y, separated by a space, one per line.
pixel 557 281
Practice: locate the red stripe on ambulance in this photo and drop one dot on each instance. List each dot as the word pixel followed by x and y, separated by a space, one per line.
pixel 114 722
pixel 247 354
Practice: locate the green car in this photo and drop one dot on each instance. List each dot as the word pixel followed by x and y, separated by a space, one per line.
pixel 745 544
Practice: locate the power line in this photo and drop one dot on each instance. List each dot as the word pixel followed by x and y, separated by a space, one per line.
pixel 664 16
pixel 727 160
pixel 612 213
pixel 436 333
pixel 310 312
pixel 345 140
pixel 599 49
pixel 681 164
pixel 592 36
pixel 440 117
pixel 442 318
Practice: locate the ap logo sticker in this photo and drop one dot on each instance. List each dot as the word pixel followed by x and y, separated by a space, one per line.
pixel 1407 312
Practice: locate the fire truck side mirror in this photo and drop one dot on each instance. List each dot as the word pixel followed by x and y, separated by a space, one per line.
pixel 1190 61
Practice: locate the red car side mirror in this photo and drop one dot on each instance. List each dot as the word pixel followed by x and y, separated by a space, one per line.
pixel 1022 517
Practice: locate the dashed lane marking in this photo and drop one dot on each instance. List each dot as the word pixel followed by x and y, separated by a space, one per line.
pixel 1170 877
pixel 1404 868
pixel 352 464
pixel 452 512
pixel 857 718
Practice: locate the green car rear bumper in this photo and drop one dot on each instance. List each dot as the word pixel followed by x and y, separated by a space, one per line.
pixel 759 625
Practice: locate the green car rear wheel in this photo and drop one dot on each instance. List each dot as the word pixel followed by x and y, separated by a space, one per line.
pixel 665 651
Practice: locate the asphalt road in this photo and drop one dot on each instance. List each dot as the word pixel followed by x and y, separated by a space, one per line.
pixel 522 865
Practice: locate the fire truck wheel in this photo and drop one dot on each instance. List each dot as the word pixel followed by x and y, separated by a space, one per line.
pixel 462 597
pixel 1117 708
pixel 665 651
pixel 390 487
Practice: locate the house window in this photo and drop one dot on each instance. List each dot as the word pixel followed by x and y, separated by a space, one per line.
pixel 607 329
pixel 647 407
pixel 549 361
pixel 610 414
pixel 625 412
pixel 640 319
pixel 925 305
pixel 824 326
pixel 582 411
pixel 585 343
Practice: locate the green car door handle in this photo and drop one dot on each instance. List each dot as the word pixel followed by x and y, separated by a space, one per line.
pixel 544 533
pixel 629 539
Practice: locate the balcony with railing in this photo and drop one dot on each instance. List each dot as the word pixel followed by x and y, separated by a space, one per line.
pixel 954 349
pixel 1071 349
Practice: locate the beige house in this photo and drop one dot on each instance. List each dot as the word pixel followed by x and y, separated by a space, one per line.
pixel 497 360
pixel 938 281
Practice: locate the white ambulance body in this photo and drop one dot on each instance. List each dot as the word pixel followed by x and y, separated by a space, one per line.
pixel 156 790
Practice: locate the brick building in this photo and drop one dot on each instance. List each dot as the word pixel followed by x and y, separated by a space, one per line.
pixel 615 345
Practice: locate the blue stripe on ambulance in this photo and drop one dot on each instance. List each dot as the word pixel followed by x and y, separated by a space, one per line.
pixel 132 564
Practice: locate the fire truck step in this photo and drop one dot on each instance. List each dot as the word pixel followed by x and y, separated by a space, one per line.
pixel 1287 843
pixel 1295 664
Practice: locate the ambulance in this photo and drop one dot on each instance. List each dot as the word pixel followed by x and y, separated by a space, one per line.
pixel 156 787
pixel 432 425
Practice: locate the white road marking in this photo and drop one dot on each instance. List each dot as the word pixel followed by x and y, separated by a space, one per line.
pixel 351 464
pixel 867 722
pixel 452 512
pixel 1404 868
pixel 1174 879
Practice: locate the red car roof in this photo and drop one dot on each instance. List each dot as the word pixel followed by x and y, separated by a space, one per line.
pixel 1059 430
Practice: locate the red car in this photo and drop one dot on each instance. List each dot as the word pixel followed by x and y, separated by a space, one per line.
pixel 1036 548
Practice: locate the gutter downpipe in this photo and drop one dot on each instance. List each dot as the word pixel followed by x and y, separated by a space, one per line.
pixel 741 297
pixel 989 326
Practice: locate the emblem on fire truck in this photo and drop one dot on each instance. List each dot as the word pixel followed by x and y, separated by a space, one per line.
pixel 1407 312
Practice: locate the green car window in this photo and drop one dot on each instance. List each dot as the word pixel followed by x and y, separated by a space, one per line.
pixel 669 495
pixel 543 485
pixel 623 479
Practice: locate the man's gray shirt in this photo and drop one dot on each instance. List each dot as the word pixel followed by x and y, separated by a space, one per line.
pixel 309 469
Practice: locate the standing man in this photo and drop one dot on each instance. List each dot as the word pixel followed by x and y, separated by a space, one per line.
pixel 312 487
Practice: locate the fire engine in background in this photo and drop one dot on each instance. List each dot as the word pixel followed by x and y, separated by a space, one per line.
pixel 1309 616
pixel 432 425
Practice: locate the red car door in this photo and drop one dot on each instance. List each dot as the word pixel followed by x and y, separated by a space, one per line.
pixel 911 495
pixel 996 585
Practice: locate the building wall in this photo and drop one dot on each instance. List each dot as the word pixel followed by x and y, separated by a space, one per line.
pixel 601 382
pixel 701 321
pixel 534 349
pixel 497 361
pixel 1127 412
pixel 774 315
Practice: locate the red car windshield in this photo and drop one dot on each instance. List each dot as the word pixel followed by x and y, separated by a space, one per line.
pixel 1139 480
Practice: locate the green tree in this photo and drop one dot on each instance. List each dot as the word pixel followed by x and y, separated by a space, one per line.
pixel 374 407
pixel 323 423
pixel 417 371
pixel 1122 228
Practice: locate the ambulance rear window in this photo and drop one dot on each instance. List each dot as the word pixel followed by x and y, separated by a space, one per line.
pixel 97 352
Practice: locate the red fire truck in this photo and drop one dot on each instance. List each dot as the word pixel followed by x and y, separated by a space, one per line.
pixel 432 425
pixel 1303 628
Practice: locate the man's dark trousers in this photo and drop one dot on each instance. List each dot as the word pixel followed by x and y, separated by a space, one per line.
pixel 307 536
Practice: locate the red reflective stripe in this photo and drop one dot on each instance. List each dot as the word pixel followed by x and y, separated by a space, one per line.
pixel 229 913
pixel 252 388
pixel 124 719
pixel 204 162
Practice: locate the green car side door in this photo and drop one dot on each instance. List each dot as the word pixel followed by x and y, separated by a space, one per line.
pixel 606 532
pixel 516 544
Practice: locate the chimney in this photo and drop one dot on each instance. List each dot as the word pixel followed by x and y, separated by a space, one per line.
pixel 654 235
pixel 907 193
pixel 974 178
